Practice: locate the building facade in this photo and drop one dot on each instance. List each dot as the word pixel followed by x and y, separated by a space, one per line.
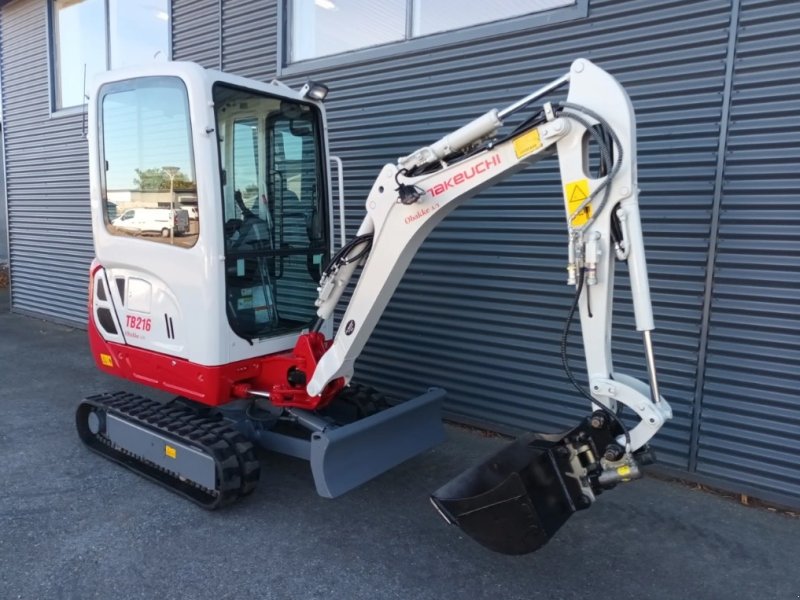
pixel 715 86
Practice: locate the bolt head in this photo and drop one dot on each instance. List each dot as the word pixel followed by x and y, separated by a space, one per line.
pixel 613 452
pixel 598 421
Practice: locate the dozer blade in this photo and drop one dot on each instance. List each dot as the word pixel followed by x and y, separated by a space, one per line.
pixel 517 499
pixel 345 457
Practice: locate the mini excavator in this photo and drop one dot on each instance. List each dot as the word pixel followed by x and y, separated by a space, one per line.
pixel 232 314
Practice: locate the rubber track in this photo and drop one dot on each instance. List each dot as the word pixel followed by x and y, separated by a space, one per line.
pixel 236 463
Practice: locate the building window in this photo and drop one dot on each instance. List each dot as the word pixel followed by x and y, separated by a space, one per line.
pixel 325 27
pixel 92 36
pixel 149 185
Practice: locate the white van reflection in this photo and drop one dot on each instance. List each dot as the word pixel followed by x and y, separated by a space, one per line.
pixel 159 221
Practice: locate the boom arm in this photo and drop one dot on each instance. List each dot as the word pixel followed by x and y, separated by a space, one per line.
pixel 410 198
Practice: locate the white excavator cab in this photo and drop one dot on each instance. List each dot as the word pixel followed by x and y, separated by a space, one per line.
pixel 251 162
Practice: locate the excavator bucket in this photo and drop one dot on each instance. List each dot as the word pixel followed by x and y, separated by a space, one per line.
pixel 517 499
pixel 343 458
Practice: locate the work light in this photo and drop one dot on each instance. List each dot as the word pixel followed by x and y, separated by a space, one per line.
pixel 315 91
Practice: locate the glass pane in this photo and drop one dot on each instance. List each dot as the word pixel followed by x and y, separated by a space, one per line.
pixel 275 209
pixel 138 31
pixel 431 16
pixel 323 27
pixel 245 164
pixel 150 186
pixel 80 46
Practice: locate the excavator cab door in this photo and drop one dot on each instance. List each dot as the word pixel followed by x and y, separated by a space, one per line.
pixel 275 210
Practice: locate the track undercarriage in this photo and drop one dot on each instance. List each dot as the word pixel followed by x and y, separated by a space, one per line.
pixel 208 455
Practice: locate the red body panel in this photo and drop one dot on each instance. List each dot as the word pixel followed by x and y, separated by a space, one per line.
pixel 217 385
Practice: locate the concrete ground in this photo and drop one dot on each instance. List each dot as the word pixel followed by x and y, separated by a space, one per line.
pixel 73 525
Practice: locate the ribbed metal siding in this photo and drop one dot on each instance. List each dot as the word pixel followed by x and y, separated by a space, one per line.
pixel 3 221
pixel 238 36
pixel 196 31
pixel 249 34
pixel 47 174
pixel 750 422
pixel 480 310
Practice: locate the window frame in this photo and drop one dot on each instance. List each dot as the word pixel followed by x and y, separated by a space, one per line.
pixel 52 55
pixel 323 175
pixel 579 10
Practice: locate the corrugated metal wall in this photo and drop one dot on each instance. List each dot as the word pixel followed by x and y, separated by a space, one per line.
pixel 199 41
pixel 47 176
pixel 481 308
pixel 3 219
pixel 750 419
pixel 248 43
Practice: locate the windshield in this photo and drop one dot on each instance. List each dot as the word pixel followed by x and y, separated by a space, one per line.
pixel 274 208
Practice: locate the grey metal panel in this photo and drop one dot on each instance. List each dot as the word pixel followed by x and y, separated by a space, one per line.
pixel 50 239
pixel 196 31
pixel 480 310
pixel 750 422
pixel 185 461
pixel 249 34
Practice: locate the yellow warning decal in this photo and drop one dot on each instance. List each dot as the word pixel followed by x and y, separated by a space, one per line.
pixel 624 470
pixel 170 451
pixel 576 192
pixel 527 143
pixel 106 360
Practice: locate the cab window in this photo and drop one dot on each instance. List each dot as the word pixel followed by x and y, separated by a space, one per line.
pixel 149 184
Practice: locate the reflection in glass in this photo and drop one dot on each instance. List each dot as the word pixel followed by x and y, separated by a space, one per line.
pixel 150 187
pixel 245 162
pixel 324 27
pixel 80 42
pixel 431 16
pixel 138 31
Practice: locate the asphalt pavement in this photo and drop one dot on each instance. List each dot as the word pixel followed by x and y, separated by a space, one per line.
pixel 73 525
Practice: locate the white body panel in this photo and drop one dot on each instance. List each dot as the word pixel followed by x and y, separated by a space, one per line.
pixel 185 284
